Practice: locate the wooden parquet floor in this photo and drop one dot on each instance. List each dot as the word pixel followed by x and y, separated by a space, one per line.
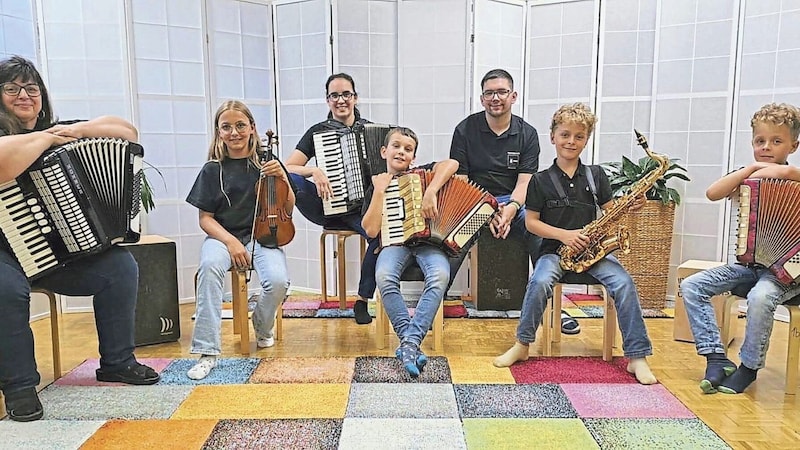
pixel 762 418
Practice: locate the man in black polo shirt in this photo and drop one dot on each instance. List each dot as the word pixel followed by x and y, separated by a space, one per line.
pixel 500 151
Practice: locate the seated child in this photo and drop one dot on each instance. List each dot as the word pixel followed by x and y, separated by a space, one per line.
pixel 399 150
pixel 775 131
pixel 559 222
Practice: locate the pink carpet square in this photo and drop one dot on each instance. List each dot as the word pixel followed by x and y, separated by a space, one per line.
pixel 84 374
pixel 301 305
pixel 571 369
pixel 335 305
pixel 625 401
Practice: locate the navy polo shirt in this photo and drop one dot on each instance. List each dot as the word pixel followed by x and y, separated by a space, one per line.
pixel 493 161
pixel 543 198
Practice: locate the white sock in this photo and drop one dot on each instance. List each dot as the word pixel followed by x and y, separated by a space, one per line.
pixel 203 367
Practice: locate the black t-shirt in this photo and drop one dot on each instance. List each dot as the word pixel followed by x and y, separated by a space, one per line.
pixel 3 243
pixel 306 144
pixel 543 198
pixel 233 206
pixel 493 161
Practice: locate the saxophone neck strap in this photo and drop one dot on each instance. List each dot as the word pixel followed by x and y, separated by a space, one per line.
pixel 563 200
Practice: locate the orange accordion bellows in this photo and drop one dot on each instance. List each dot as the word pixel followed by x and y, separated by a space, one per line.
pixel 464 208
pixel 769 226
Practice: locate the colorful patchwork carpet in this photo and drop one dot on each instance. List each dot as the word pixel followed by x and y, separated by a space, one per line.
pixel 577 305
pixel 364 403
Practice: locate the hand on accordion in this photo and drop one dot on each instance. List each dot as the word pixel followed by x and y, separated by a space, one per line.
pixel 322 183
pixel 501 223
pixel 429 204
pixel 381 181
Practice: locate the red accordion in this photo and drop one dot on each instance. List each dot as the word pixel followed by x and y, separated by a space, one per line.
pixel 769 226
pixel 464 208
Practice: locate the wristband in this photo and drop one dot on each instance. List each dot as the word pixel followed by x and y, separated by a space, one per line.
pixel 514 202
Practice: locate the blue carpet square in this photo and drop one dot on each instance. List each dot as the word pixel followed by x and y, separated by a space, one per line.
pixel 390 434
pixel 654 434
pixel 391 400
pixel 510 400
pixel 228 371
pixel 105 403
pixel 383 369
pixel 276 434
pixel 334 313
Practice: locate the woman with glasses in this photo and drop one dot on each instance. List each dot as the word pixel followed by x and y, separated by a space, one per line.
pixel 225 195
pixel 27 129
pixel 312 185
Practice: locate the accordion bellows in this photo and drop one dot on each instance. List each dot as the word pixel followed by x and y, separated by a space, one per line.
pixel 464 208
pixel 74 200
pixel 769 226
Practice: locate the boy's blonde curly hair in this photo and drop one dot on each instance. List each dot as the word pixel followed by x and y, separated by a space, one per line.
pixel 574 113
pixel 779 114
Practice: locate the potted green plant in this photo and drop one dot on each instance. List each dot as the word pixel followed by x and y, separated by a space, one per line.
pixel 148 204
pixel 650 227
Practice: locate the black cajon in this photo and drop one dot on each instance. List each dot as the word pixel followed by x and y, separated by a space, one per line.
pixel 498 273
pixel 157 313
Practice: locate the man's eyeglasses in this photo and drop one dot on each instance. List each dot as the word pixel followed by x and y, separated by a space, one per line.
pixel 13 89
pixel 335 96
pixel 240 127
pixel 502 94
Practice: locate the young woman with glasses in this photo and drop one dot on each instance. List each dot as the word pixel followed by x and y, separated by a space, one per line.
pixel 312 185
pixel 27 129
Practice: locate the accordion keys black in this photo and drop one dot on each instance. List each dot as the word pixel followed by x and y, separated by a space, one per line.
pixel 74 200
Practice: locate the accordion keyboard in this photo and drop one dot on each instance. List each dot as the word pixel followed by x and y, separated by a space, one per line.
pixel 392 225
pixel 329 159
pixel 25 225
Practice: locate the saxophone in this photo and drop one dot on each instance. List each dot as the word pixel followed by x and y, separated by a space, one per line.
pixel 606 234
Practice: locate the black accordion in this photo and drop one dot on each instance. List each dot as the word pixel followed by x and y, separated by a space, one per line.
pixel 349 160
pixel 75 200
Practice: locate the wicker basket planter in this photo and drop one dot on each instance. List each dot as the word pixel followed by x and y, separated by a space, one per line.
pixel 651 242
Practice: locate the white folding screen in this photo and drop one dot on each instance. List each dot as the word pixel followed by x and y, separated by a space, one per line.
pixel 498 43
pixel 561 64
pixel 17 29
pixel 433 72
pixel 625 78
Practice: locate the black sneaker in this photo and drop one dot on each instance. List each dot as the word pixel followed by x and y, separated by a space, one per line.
pixel 136 373
pixel 24 405
pixel 569 325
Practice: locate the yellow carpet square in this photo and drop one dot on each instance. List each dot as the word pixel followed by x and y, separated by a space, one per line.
pixel 538 433
pixel 304 370
pixel 265 401
pixel 477 370
pixel 156 434
pixel 577 312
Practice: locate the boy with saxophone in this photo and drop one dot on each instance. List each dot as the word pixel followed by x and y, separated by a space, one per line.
pixel 775 136
pixel 560 202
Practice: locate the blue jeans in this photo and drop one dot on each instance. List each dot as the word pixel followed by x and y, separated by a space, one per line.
pixel 520 233
pixel 111 277
pixel 310 205
pixel 764 294
pixel 617 281
pixel 215 261
pixel 392 261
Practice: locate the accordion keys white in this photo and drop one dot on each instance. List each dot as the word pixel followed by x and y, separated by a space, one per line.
pixel 74 200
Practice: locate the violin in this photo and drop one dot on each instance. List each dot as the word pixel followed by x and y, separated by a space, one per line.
pixel 272 225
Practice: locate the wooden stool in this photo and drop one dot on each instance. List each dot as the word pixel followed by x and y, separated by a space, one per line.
pixel 793 348
pixel 551 328
pixel 341 267
pixel 241 316
pixel 54 316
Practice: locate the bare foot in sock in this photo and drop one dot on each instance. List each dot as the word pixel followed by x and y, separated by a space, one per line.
pixel 519 352
pixel 639 367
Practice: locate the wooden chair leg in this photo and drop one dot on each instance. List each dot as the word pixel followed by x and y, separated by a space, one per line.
pixel 380 318
pixel 279 322
pixel 547 329
pixel 793 351
pixel 241 323
pixel 341 272
pixel 609 326
pixel 557 300
pixel 728 302
pixel 323 273
pixel 438 328
pixel 55 314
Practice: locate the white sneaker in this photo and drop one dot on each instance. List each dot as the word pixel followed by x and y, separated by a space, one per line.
pixel 202 368
pixel 265 342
